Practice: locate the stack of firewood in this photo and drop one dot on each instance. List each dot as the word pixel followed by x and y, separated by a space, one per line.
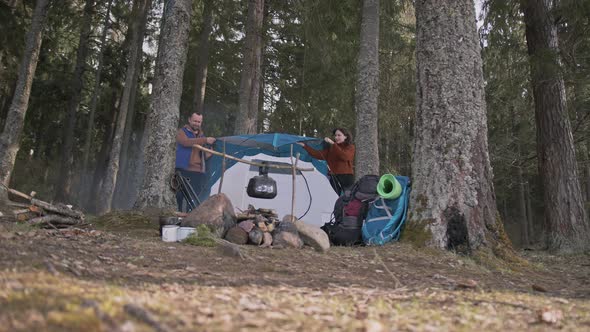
pixel 37 212
pixel 268 215
pixel 254 226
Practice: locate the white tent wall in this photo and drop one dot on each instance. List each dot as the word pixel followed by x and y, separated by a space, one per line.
pixel 320 192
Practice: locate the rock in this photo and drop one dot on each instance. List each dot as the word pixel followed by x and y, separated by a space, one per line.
pixel 237 235
pixel 286 235
pixel 266 240
pixel 262 227
pixel 289 218
pixel 286 225
pixel 313 236
pixel 217 212
pixel 247 225
pixel 256 236
pixel 287 239
pixel 260 218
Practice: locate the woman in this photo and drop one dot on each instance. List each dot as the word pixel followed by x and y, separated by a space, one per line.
pixel 339 154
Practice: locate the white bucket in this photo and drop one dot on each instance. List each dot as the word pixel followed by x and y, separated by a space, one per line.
pixel 184 232
pixel 169 233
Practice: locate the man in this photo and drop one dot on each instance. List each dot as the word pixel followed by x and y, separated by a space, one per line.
pixel 190 161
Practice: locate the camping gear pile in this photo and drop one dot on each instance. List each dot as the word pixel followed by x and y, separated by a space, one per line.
pixel 34 211
pixel 372 212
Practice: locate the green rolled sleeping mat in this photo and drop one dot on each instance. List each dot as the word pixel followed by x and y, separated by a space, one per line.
pixel 388 187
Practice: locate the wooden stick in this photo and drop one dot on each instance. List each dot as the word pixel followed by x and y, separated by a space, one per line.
pixel 55 220
pixel 15 204
pixel 293 174
pixel 18 193
pixel 63 210
pixel 250 162
pixel 222 170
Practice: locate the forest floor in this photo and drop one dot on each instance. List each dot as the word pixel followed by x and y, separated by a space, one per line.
pixel 116 275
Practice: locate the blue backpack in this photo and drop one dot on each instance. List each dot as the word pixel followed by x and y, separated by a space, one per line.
pixel 386 217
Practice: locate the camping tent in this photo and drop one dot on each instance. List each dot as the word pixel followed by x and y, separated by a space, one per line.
pixel 314 197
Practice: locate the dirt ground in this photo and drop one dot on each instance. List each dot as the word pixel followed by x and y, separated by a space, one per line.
pixel 116 275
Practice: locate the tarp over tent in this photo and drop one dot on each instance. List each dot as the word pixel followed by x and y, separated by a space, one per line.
pixel 311 186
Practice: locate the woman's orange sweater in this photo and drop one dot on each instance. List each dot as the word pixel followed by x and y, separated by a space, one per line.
pixel 339 157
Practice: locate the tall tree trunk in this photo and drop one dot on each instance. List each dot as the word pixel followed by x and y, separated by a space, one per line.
pixel 522 216
pixel 530 214
pixel 583 153
pixel 123 186
pixel 566 223
pixel 105 199
pixel 164 109
pixel 367 92
pixel 64 179
pixel 13 127
pixel 203 57
pixel 247 117
pixel 452 198
pixel 102 157
pixel 96 90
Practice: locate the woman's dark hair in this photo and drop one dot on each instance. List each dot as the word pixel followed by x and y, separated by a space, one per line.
pixel 345 132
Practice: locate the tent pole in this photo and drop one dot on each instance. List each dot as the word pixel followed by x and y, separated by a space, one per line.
pixel 293 173
pixel 222 170
pixel 250 162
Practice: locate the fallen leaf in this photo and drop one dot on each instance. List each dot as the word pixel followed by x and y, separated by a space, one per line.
pixel 468 284
pixel 539 288
pixel 550 316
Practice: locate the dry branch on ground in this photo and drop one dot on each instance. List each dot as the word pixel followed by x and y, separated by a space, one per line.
pixel 37 212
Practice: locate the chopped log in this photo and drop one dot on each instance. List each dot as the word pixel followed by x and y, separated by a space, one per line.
pixel 15 204
pixel 59 209
pixel 246 216
pixel 268 211
pixel 17 212
pixel 55 220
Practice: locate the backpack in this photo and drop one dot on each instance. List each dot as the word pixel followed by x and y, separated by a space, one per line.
pixel 350 211
pixel 385 217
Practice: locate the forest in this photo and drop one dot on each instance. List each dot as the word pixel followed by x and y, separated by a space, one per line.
pixel 484 105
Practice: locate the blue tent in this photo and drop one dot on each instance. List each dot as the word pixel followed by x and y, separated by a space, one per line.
pixel 276 144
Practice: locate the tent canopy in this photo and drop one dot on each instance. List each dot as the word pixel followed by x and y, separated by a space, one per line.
pixel 274 144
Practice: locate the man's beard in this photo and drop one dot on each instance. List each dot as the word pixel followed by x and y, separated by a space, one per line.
pixel 195 128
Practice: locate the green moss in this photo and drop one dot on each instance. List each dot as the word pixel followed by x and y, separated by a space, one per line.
pixel 503 247
pixel 416 233
pixel 63 312
pixel 202 237
pixel 123 220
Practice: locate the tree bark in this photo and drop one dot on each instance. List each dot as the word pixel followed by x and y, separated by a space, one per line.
pixel 105 199
pixel 367 92
pixel 95 93
pixel 124 189
pixel 522 217
pixel 13 127
pixel 452 198
pixel 102 157
pixel 247 117
pixel 164 108
pixel 529 214
pixel 63 186
pixel 566 223
pixel 203 57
